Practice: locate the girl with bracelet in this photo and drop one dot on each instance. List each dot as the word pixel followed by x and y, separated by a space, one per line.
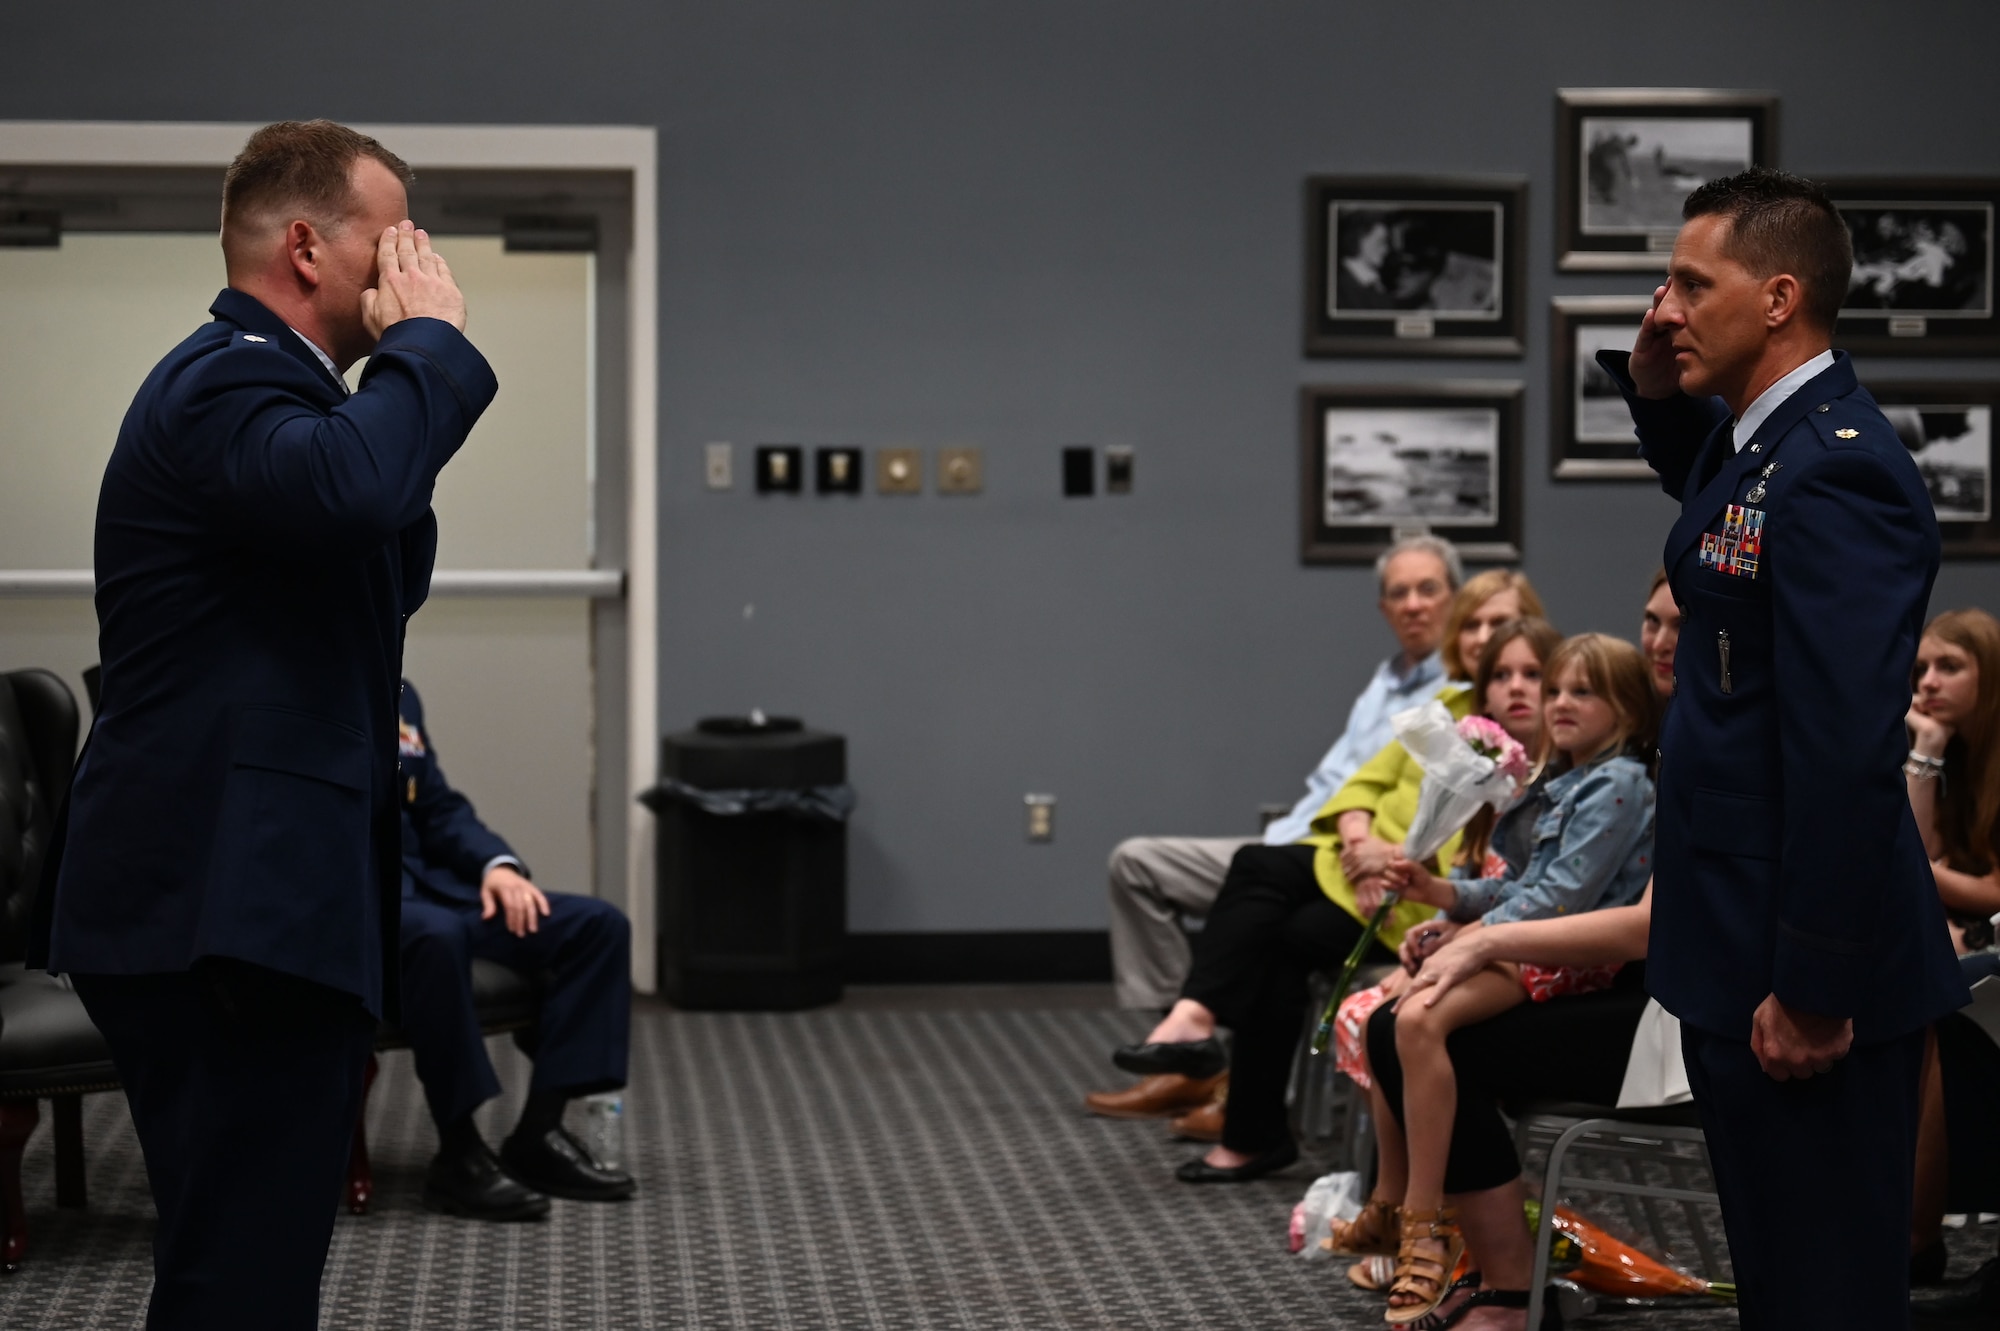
pixel 1953 770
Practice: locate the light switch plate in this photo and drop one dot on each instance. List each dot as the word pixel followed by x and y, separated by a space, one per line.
pixel 838 471
pixel 961 471
pixel 781 469
pixel 899 471
pixel 718 466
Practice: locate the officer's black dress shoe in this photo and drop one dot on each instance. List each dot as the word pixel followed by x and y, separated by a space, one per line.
pixel 1198 1170
pixel 1969 1304
pixel 555 1163
pixel 1198 1059
pixel 470 1182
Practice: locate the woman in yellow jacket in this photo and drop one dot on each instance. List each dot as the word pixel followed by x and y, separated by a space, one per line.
pixel 1286 911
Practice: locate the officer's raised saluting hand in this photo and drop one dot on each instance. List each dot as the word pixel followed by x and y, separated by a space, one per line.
pixel 412 281
pixel 1652 367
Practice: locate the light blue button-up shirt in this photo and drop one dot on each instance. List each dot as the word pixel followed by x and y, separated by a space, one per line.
pixel 1394 688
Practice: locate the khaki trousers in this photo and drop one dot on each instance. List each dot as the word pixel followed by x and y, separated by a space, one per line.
pixel 1156 882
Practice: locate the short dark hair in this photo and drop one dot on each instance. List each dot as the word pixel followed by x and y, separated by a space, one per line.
pixel 302 166
pixel 1782 223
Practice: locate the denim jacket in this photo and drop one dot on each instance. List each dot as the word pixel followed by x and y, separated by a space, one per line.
pixel 1575 842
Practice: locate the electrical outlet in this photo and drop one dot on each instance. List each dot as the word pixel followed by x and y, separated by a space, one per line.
pixel 1041 817
pixel 718 466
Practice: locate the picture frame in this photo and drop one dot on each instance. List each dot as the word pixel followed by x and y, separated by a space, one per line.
pixel 1416 265
pixel 1591 436
pixel 1924 250
pixel 1381 461
pixel 1626 159
pixel 1949 427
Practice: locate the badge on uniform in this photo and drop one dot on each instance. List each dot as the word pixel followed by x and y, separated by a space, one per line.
pixel 1737 549
pixel 409 740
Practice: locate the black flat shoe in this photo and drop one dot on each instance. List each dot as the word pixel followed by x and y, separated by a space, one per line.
pixel 1973 1302
pixel 556 1164
pixel 1198 1170
pixel 1195 1059
pixel 472 1184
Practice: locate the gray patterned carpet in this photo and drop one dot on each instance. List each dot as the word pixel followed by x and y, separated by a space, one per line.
pixel 909 1159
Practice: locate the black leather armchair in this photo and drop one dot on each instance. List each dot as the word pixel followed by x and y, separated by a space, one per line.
pixel 48 1047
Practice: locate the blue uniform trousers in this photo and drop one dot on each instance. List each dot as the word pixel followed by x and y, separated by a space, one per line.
pixel 1815 1177
pixel 579 957
pixel 244 1087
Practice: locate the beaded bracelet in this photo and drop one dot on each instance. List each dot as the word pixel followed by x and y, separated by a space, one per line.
pixel 1923 767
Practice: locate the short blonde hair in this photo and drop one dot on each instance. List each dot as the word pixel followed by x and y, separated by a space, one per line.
pixel 1477 591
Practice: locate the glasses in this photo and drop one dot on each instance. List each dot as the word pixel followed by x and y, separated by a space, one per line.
pixel 1428 590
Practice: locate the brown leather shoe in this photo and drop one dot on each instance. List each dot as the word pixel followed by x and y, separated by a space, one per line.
pixel 1201 1125
pixel 1160 1096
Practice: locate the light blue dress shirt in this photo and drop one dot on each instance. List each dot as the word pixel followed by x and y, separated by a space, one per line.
pixel 1394 688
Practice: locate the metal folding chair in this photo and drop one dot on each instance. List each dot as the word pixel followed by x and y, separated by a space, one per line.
pixel 1639 1142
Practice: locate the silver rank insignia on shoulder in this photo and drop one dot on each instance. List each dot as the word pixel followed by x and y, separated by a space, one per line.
pixel 1847 434
pixel 1756 495
pixel 252 337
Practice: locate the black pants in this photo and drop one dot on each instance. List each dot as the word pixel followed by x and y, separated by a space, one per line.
pixel 1815 1177
pixel 1270 928
pixel 1571 1048
pixel 244 1086
pixel 582 952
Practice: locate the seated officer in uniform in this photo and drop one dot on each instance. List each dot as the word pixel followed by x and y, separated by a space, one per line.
pixel 466 895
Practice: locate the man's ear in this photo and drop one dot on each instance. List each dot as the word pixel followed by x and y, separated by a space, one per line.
pixel 304 247
pixel 1783 300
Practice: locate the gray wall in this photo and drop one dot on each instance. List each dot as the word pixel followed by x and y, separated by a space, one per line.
pixel 1022 225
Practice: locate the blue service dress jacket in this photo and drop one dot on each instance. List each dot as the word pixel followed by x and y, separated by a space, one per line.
pixel 1788 861
pixel 445 847
pixel 261 539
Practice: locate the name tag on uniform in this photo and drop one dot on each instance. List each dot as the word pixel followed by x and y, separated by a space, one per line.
pixel 1738 548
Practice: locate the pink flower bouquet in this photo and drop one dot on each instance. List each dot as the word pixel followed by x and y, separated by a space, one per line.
pixel 1470 765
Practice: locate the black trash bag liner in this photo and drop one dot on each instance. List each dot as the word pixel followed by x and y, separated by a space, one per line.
pixel 831 804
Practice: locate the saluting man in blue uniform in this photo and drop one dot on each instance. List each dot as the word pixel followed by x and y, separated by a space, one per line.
pixel 226 891
pixel 1797 931
pixel 465 895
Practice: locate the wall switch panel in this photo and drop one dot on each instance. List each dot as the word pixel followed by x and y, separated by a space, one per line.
pixel 780 469
pixel 899 471
pixel 1079 472
pixel 961 471
pixel 1118 469
pixel 1041 817
pixel 717 466
pixel 837 471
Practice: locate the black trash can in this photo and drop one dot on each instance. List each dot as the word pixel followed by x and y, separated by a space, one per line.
pixel 752 864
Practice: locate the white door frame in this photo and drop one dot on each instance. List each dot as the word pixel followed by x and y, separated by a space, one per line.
pixel 633 149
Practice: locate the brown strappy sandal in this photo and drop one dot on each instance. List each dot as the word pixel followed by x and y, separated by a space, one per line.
pixel 1420 1277
pixel 1376 1230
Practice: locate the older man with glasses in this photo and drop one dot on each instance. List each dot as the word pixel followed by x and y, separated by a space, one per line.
pixel 1158 882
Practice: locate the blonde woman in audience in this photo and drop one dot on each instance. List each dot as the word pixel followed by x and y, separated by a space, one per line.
pixel 1580 839
pixel 1285 911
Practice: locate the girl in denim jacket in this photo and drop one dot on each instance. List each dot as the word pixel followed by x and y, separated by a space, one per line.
pixel 1581 838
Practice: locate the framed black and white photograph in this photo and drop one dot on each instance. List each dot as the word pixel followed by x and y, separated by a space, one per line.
pixel 1923 266
pixel 1380 461
pixel 1590 428
pixel 1948 428
pixel 1415 265
pixel 1627 158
